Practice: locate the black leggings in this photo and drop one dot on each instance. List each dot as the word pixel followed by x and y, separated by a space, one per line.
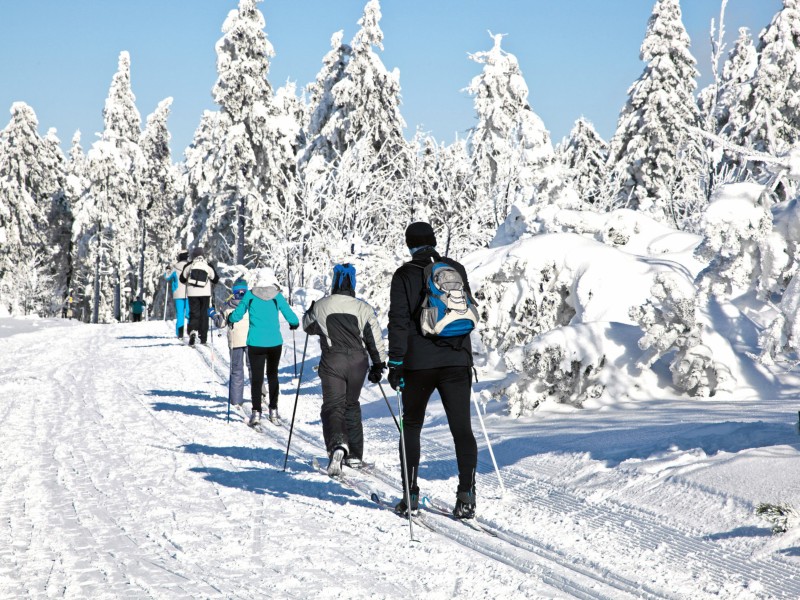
pixel 258 356
pixel 455 388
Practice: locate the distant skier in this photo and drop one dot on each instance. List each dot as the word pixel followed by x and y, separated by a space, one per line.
pixel 137 309
pixel 237 341
pixel 349 333
pixel 419 364
pixel 198 276
pixel 179 293
pixel 264 340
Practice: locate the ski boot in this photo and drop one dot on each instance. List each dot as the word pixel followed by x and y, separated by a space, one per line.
pixel 274 417
pixel 335 465
pixel 401 508
pixel 192 337
pixel 255 418
pixel 353 462
pixel 465 505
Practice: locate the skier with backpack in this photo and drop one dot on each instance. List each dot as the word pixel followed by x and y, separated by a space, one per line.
pixel 349 334
pixel 198 276
pixel 237 341
pixel 179 293
pixel 263 303
pixel 431 314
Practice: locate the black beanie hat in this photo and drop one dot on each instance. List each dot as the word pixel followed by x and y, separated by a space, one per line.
pixel 420 234
pixel 198 251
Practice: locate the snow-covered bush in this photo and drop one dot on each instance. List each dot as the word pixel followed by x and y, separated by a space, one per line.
pixel 670 323
pixel 553 372
pixel 518 303
pixel 738 243
pixel 782 517
pixel 782 335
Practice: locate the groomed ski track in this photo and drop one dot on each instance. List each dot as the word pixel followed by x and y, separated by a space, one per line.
pixel 68 529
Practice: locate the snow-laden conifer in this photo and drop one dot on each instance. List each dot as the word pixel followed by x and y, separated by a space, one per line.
pixel 106 229
pixel 158 235
pixel 652 149
pixel 585 154
pixel 510 146
pixel 31 189
pixel 773 120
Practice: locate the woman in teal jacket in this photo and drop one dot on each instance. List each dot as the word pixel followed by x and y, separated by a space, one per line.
pixel 264 341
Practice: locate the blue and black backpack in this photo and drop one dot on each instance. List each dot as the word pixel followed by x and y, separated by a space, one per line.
pixel 447 310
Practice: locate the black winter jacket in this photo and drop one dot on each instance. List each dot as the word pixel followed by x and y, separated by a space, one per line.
pixel 406 342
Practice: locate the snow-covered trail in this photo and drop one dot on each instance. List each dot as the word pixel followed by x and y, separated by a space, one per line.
pixel 120 478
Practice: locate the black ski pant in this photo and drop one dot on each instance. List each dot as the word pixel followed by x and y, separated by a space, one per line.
pixel 259 358
pixel 342 375
pixel 454 385
pixel 136 317
pixel 198 316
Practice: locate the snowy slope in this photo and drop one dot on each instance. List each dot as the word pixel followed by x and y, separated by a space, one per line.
pixel 120 477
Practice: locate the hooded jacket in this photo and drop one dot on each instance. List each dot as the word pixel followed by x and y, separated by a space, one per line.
pixel 263 305
pixel 237 335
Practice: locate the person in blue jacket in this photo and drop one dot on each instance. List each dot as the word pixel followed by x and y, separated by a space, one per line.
pixel 179 293
pixel 264 341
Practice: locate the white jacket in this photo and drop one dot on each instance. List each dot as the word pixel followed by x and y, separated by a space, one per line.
pixel 237 335
pixel 198 284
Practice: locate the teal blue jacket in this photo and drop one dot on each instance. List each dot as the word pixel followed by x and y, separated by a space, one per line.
pixel 263 305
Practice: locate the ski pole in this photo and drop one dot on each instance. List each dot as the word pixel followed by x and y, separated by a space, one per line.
pixel 166 295
pixel 404 461
pixel 488 443
pixel 389 406
pixel 213 376
pixel 294 343
pixel 294 411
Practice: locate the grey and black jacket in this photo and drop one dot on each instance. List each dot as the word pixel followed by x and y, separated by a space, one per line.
pixel 345 324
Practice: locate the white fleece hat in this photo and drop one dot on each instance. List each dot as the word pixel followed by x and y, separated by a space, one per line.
pixel 265 277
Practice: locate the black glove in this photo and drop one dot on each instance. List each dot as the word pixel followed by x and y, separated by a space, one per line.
pixel 395 375
pixel 376 372
pixel 293 327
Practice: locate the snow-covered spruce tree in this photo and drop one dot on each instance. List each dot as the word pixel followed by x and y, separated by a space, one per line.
pixel 510 146
pixel 159 238
pixel 59 220
pixel 585 154
pixel 446 197
pixel 76 184
pixel 739 244
pixel 773 119
pixel 652 147
pixel 670 324
pixel 735 89
pixel 106 228
pixel 31 188
pixel 244 95
pixel 239 187
pixel 356 123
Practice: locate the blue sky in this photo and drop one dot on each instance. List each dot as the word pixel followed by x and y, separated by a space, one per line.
pixel 578 56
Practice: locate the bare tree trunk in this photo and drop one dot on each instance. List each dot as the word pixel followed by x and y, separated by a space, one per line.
pixel 240 231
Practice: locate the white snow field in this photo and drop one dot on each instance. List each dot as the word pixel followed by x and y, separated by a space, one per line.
pixel 121 477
